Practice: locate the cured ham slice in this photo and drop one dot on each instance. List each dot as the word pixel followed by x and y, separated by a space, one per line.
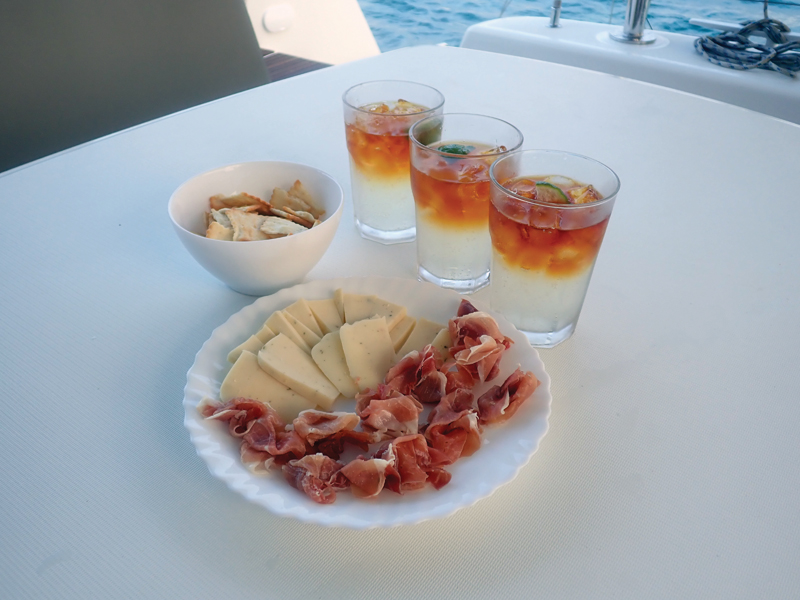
pixel 327 433
pixel 260 428
pixel 453 427
pixel 266 436
pixel 317 476
pixel 501 402
pixel 439 478
pixel 478 344
pixel 403 376
pixel 414 464
pixel 391 417
pixel 418 374
pixel 382 392
pixel 257 462
pixel 367 476
pixel 240 413
pixel 316 425
pixel 465 308
pixel 460 379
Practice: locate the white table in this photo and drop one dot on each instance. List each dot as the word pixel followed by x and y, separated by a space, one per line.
pixel 671 468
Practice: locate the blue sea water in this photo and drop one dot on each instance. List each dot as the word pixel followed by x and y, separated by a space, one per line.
pixel 400 23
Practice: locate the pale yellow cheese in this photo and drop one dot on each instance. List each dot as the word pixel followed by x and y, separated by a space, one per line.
pixel 247 380
pixel 338 300
pixel 442 342
pixel 265 334
pixel 277 322
pixel 301 311
pixel 327 314
pixel 422 335
pixel 401 331
pixel 368 351
pixel 286 362
pixel 358 307
pixel 309 337
pixel 329 356
pixel 252 344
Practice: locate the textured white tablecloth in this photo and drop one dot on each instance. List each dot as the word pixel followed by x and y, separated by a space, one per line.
pixel 672 464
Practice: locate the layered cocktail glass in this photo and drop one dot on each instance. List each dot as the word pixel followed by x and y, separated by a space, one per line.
pixel 548 216
pixel 450 159
pixel 377 116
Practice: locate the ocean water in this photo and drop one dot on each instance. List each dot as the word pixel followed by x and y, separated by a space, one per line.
pixel 400 23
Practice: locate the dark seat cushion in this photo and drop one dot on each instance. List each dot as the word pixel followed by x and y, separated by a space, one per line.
pixel 75 70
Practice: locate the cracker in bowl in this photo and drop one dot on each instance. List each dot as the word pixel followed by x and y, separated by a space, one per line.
pixel 243 217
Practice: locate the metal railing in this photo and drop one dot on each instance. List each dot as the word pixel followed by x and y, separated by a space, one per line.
pixel 635 18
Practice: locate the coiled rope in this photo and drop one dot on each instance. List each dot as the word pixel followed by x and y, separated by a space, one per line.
pixel 734 50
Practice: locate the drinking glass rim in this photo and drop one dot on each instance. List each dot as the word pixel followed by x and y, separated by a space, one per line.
pixel 605 200
pixel 414 139
pixel 402 81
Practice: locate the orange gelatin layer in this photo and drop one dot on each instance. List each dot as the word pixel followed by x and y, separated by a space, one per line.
pixel 451 203
pixel 556 252
pixel 378 156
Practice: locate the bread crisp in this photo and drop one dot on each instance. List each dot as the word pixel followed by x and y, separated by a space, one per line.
pixel 243 217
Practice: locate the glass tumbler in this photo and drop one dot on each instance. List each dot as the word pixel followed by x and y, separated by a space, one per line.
pixel 450 159
pixel 548 215
pixel 377 117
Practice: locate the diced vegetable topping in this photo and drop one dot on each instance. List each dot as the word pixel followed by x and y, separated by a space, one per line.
pixel 547 192
pixel 460 149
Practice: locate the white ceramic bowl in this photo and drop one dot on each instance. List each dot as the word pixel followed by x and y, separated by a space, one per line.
pixel 262 267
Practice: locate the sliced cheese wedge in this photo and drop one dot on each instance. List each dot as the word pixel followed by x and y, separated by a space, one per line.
pixel 368 351
pixel 401 331
pixel 247 380
pixel 286 362
pixel 329 356
pixel 252 344
pixel 309 337
pixel 443 343
pixel 422 335
pixel 265 334
pixel 358 307
pixel 301 311
pixel 338 300
pixel 327 314
pixel 277 322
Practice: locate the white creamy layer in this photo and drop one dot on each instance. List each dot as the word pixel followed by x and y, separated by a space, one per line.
pixel 533 301
pixel 456 254
pixel 381 205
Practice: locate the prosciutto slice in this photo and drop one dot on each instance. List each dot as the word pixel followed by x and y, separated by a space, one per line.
pixel 465 308
pixel 460 379
pixel 418 374
pixel 257 462
pixel 478 344
pixel 413 464
pixel 391 417
pixel 367 476
pixel 263 433
pixel 326 433
pixel 268 434
pixel 501 402
pixel 453 427
pixel 318 476
pixel 316 425
pixel 240 413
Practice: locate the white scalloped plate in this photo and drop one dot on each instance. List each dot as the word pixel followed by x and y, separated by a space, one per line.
pixel 506 448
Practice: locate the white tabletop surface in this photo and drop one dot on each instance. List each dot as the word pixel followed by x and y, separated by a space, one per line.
pixel 672 464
